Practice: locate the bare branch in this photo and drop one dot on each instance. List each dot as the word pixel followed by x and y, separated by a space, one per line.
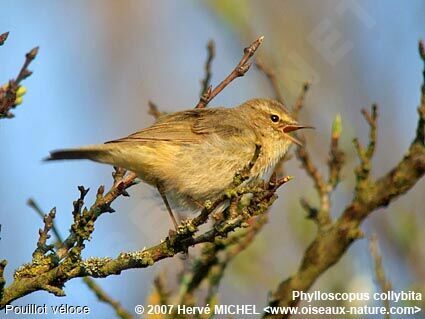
pixel 371 120
pixel 209 267
pixel 310 209
pixel 336 156
pixel 381 277
pixel 299 103
pixel 365 155
pixel 10 94
pixel 420 131
pixel 102 296
pixel 3 38
pixel 69 264
pixel 154 111
pixel 42 247
pixel 271 76
pixel 3 264
pixel 91 284
pixel 31 203
pixel 84 219
pixel 322 217
pixel 328 247
pixel 207 79
pixel 161 290
pixel 240 70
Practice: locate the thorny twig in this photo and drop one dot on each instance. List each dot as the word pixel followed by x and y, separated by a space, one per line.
pixel 240 70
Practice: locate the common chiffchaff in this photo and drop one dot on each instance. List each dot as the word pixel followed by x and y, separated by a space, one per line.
pixel 192 156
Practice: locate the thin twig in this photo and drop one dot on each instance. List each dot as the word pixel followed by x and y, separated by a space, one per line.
pixel 323 216
pixel 371 119
pixel 233 248
pixel 91 284
pixel 84 219
pixel 299 103
pixel 336 155
pixel 328 247
pixel 365 155
pixel 420 131
pixel 205 83
pixel 42 247
pixel 154 110
pixel 8 95
pixel 310 209
pixel 104 297
pixel 31 203
pixel 239 70
pixel 271 76
pixel 163 294
pixel 3 37
pixel 3 264
pixel 381 277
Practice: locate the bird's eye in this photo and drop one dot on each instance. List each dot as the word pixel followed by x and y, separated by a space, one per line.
pixel 274 118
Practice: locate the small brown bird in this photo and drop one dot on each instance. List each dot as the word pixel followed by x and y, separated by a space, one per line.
pixel 192 156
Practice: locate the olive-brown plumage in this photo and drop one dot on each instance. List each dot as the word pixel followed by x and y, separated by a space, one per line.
pixel 193 155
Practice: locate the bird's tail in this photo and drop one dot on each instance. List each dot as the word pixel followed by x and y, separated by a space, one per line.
pixel 98 153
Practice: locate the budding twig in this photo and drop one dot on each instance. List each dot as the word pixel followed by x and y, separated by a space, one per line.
pixel 31 203
pixel 336 156
pixel 365 155
pixel 84 219
pixel 91 284
pixel 8 95
pixel 328 247
pixel 42 247
pixel 238 71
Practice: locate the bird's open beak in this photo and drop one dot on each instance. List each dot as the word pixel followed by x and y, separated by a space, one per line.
pixel 294 127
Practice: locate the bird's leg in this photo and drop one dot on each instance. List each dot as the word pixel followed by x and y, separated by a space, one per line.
pixel 164 198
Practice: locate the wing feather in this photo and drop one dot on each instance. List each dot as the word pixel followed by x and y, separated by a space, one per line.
pixel 187 126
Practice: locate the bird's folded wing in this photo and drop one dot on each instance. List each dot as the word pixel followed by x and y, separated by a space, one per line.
pixel 188 126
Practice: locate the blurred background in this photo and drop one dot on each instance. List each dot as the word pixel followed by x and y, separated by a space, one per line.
pixel 101 61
